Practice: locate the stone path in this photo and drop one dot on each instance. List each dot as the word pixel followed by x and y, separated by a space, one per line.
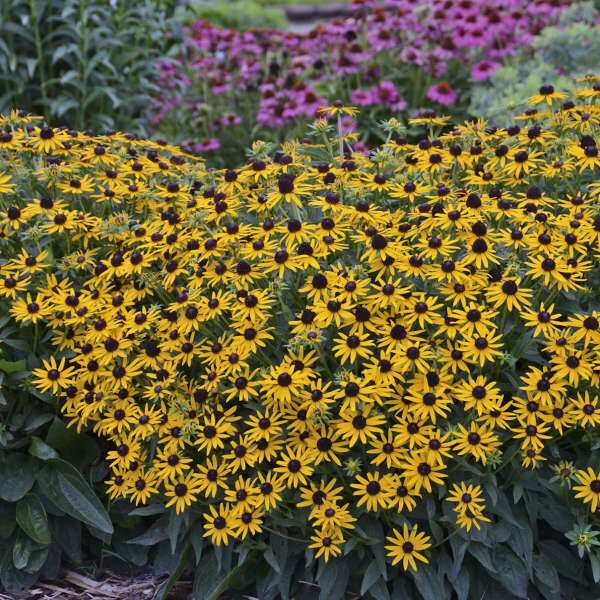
pixel 302 18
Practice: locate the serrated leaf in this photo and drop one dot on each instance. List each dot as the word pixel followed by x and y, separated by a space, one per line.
pixel 32 519
pixel 65 487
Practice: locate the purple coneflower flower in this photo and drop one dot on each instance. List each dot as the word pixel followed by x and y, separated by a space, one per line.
pixel 482 70
pixel 442 92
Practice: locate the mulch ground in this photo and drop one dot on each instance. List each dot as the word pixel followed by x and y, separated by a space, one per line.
pixel 74 586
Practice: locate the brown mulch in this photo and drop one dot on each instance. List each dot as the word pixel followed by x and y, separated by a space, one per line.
pixel 75 586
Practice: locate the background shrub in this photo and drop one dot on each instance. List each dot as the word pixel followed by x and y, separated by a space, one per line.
pixel 559 53
pixel 89 63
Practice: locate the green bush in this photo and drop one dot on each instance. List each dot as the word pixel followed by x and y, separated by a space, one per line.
pixel 89 62
pixel 238 14
pixel 361 345
pixel 572 47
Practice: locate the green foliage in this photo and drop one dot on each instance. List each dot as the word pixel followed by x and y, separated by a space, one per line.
pixel 238 14
pixel 572 47
pixel 86 62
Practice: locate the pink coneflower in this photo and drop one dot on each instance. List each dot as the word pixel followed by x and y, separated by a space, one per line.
pixel 348 124
pixel 205 145
pixel 361 97
pixel 482 70
pixel 387 94
pixel 442 92
pixel 361 147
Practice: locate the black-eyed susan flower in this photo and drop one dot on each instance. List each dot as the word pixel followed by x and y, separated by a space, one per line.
pixel 589 488
pixel 407 547
pixel 220 524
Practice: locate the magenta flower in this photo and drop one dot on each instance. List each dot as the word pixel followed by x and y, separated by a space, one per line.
pixel 205 145
pixel 387 94
pixel 482 70
pixel 361 97
pixel 442 92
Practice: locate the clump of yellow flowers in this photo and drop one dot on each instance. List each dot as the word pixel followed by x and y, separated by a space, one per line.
pixel 316 334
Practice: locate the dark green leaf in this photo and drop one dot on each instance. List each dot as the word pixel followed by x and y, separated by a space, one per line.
pixel 546 573
pixel 7 519
pixel 371 575
pixel 333 579
pixel 208 583
pixel 510 571
pixel 429 583
pixel 12 367
pixel 32 519
pixel 374 530
pixel 379 590
pixel 66 488
pixel 13 580
pixel 21 551
pixel 482 554
pixel 197 539
pixel 17 474
pixel 76 448
pixel 565 562
pixel 158 531
pixel 461 584
pixel 37 558
pixel 40 449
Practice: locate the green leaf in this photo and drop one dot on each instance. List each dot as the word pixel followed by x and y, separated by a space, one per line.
pixel 7 519
pixel 208 584
pixel 32 519
pixel 370 577
pixel 333 578
pixel 374 530
pixel 40 449
pixel 157 532
pixel 562 559
pixel 16 476
pixel 15 581
pixel 21 551
pixel 459 547
pixel 197 539
pixel 595 567
pixel 429 583
pixel 546 573
pixel 37 558
pixel 511 572
pixel 175 523
pixel 379 590
pixel 66 488
pixel 12 367
pixel 270 558
pixel 482 554
pixel 462 584
pixel 148 511
pixel 76 448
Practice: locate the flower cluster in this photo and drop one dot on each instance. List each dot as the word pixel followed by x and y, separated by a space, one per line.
pixel 380 55
pixel 315 334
